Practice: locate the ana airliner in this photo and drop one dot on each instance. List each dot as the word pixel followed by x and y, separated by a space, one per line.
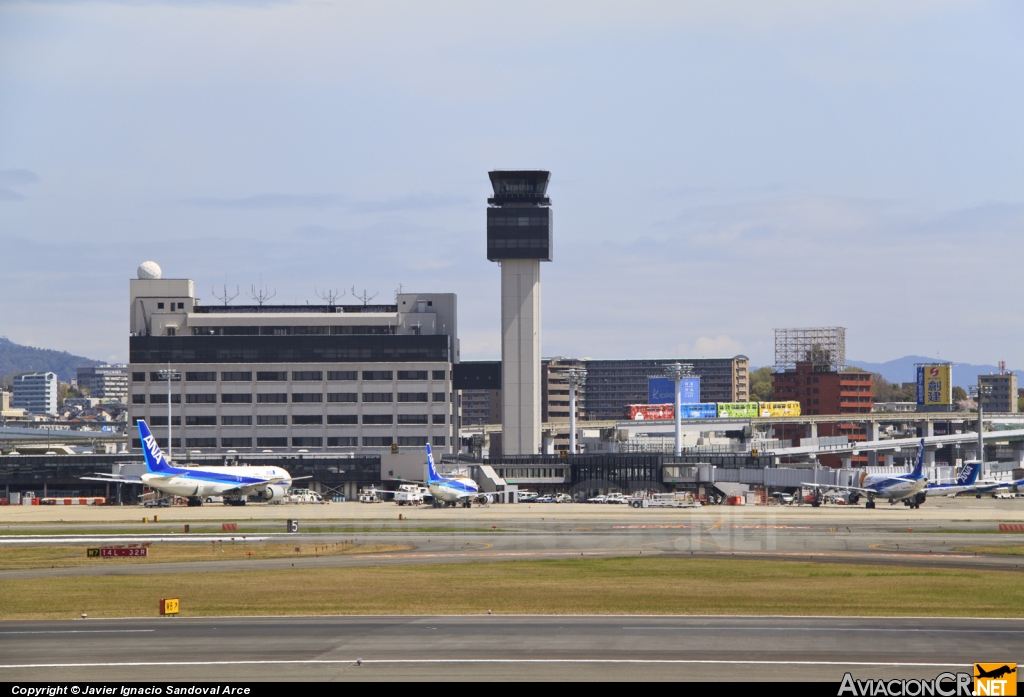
pixel 907 488
pixel 452 490
pixel 965 481
pixel 234 483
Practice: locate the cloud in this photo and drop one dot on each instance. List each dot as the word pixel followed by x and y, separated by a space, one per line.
pixel 17 177
pixel 410 203
pixel 7 195
pixel 265 201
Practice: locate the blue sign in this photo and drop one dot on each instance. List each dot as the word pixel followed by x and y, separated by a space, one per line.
pixel 920 384
pixel 663 391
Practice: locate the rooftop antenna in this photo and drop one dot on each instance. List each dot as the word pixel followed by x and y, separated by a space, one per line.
pixel 261 296
pixel 329 296
pixel 398 291
pixel 224 298
pixel 364 297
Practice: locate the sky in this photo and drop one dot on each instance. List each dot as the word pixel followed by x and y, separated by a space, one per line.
pixel 719 169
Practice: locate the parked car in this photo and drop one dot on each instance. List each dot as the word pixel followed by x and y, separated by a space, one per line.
pixel 600 498
pixel 544 499
pixel 616 498
pixel 158 503
pixel 563 498
pixel 214 499
pixel 783 498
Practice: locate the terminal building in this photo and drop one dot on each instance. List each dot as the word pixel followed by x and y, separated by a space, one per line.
pixel 356 379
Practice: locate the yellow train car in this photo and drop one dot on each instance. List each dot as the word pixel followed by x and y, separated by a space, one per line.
pixel 779 408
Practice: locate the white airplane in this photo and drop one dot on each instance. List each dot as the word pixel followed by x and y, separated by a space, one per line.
pixel 451 491
pixel 967 480
pixel 906 488
pixel 232 482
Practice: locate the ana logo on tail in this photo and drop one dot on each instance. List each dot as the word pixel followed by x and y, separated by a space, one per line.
pixel 431 472
pixel 155 461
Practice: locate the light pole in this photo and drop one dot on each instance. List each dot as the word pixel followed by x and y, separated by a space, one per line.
pixel 979 392
pixel 168 375
pixel 576 378
pixel 676 372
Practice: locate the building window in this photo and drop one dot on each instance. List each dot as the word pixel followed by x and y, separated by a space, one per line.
pixel 342 442
pixel 439 419
pixel 307 419
pixel 438 375
pixel 159 306
pixel 272 398
pixel 377 375
pixel 181 306
pixel 200 442
pixel 377 396
pixel 272 376
pixel 375 441
pixel 138 399
pixel 236 398
pixel 440 397
pixel 343 375
pixel 439 441
pixel 342 419
pixel 412 397
pixel 272 420
pixel 139 377
pixel 378 419
pixel 201 377
pixel 271 442
pixel 162 420
pixel 201 398
pixel 155 377
pixel 412 440
pixel 236 420
pixel 307 442
pixel 412 375
pixel 342 396
pixel 307 375
pixel 418 419
pixel 162 399
pixel 236 377
pixel 200 420
pixel 306 397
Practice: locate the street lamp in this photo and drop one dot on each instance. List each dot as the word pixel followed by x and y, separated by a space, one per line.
pixel 169 375
pixel 676 372
pixel 980 393
pixel 576 378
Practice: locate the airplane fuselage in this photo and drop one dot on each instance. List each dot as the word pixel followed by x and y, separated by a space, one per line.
pixel 213 481
pixel 453 490
pixel 889 487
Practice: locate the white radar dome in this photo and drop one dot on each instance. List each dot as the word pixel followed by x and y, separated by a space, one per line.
pixel 149 270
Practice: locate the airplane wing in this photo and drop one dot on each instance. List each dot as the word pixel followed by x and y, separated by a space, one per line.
pixel 842 487
pixel 114 478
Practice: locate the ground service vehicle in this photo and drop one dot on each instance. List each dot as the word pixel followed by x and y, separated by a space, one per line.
pixel 665 500
pixel 410 495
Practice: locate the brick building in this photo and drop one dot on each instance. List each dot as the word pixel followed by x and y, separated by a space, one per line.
pixel 845 392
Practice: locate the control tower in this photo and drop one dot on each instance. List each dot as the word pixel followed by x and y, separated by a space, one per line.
pixel 519 238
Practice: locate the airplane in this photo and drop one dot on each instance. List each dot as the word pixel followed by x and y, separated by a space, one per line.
pixel 906 488
pixel 965 481
pixel 995 673
pixel 234 483
pixel 450 491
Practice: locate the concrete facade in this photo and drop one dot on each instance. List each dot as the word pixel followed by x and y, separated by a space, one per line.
pixel 520 356
pixel 107 383
pixel 1003 399
pixel 36 393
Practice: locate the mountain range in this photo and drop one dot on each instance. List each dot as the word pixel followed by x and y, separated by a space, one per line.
pixel 15 358
pixel 902 370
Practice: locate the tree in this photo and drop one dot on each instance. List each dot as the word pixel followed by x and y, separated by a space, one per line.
pixel 761 385
pixel 959 394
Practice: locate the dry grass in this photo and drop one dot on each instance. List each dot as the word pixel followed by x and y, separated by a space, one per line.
pixel 585 586
pixel 43 557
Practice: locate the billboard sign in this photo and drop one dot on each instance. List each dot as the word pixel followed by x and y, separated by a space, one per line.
pixel 662 391
pixel 934 385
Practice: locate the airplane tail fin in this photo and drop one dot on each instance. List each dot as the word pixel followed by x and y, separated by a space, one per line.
pixel 155 461
pixel 969 474
pixel 432 475
pixel 919 467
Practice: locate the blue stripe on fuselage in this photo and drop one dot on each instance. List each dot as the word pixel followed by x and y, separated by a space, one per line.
pixel 219 477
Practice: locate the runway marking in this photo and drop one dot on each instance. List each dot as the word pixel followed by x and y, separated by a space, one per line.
pixel 83 631
pixel 833 629
pixel 719 523
pixel 422 661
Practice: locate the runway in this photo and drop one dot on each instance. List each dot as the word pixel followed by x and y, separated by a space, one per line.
pixel 502 648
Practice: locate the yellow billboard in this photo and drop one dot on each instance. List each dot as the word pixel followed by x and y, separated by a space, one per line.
pixel 936 384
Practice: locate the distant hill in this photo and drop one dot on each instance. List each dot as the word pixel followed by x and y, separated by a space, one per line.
pixel 15 358
pixel 903 370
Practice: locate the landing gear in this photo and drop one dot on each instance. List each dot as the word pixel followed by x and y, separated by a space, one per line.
pixel 239 501
pixel 869 504
pixel 467 503
pixel 194 501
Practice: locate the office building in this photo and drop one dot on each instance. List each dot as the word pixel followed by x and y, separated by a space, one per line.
pixel 107 383
pixel 1003 397
pixel 519 237
pixel 36 393
pixel 291 378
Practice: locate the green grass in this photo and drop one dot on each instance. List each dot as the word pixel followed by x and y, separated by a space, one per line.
pixel 1009 550
pixel 586 586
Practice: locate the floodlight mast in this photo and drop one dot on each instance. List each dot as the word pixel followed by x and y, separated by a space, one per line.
pixel 980 392
pixel 169 375
pixel 676 372
pixel 576 378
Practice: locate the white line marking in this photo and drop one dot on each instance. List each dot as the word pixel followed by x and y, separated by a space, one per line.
pixel 668 661
pixel 83 631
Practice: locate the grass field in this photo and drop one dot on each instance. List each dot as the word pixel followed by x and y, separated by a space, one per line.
pixel 599 586
pixel 1010 550
pixel 18 557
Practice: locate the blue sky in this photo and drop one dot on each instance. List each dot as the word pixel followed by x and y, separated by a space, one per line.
pixel 718 169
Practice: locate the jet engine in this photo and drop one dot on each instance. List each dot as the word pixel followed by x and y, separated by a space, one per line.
pixel 273 493
pixel 852 498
